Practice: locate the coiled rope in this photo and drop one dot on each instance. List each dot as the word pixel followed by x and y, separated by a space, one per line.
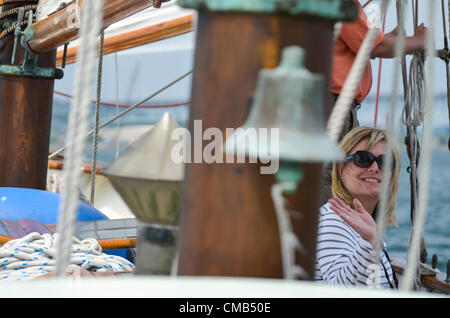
pixel 412 115
pixel 412 118
pixel 34 255
pixel 91 23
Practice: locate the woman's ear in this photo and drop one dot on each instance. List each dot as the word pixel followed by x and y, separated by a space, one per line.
pixel 340 169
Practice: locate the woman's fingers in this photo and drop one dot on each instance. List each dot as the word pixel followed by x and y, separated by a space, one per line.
pixel 338 206
pixel 344 207
pixel 340 211
pixel 346 212
pixel 337 202
pixel 358 206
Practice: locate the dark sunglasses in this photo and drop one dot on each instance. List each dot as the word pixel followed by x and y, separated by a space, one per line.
pixel 364 159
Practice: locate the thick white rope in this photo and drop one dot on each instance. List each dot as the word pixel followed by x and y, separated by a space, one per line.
pixel 424 169
pixel 290 243
pixel 337 31
pixel 34 255
pixel 123 113
pixel 91 23
pixel 390 127
pixel 341 108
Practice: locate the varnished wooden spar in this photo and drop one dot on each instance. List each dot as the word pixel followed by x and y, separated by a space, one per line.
pixel 110 234
pixel 435 283
pixel 60 28
pixel 228 222
pixel 137 37
pixel 58 164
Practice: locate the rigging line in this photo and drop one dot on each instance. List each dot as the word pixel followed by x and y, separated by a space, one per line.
pixel 412 118
pixel 127 106
pixel 54 154
pixel 424 173
pixel 10 30
pixel 116 71
pixel 444 27
pixel 381 218
pixel 380 63
pixel 415 13
pixel 446 60
pixel 14 11
pixel 365 4
pixel 97 115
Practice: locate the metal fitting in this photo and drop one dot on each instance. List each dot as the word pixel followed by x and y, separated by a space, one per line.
pixel 434 261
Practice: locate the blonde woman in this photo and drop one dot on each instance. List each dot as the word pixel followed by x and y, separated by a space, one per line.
pixel 347 229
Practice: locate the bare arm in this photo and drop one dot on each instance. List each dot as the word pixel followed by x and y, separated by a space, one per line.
pixel 386 49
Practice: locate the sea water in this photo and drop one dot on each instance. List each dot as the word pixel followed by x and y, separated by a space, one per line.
pixel 437 229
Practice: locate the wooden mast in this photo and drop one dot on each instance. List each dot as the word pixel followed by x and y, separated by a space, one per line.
pixel 228 223
pixel 25 116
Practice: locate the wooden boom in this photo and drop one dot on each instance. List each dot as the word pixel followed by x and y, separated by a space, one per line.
pixel 60 27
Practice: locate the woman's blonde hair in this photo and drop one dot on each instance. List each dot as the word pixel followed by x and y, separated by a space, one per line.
pixel 350 140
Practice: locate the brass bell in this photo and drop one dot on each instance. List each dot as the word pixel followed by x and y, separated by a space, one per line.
pixel 288 99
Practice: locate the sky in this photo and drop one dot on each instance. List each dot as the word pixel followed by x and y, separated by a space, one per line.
pixel 140 71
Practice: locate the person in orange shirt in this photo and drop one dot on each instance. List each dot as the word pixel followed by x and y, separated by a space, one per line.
pixel 346 48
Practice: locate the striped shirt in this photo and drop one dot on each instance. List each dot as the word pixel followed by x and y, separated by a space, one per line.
pixel 343 257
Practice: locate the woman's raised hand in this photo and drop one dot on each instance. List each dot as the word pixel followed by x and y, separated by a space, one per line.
pixel 358 218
